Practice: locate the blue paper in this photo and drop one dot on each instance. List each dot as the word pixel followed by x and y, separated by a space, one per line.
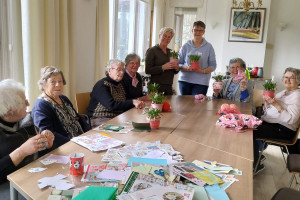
pixel 216 192
pixel 147 161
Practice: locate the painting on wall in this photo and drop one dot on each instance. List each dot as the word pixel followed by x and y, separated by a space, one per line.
pixel 246 26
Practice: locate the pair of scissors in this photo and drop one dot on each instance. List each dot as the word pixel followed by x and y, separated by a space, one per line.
pixel 159 172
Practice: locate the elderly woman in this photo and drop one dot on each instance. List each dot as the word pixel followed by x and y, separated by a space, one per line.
pixel 196 81
pixel 158 63
pixel 108 98
pixel 54 111
pixel 237 87
pixel 132 80
pixel 281 117
pixel 19 138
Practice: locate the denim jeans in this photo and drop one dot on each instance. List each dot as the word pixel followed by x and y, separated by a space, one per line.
pixel 191 88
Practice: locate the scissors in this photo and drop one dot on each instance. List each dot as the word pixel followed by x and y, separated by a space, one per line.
pixel 159 172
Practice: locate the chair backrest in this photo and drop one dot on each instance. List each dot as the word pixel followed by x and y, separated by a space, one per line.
pixel 82 102
pixel 257 97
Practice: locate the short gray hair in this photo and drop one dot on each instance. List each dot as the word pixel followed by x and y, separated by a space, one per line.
pixel 46 73
pixel 166 29
pixel 11 96
pixel 112 62
pixel 238 60
pixel 131 57
pixel 295 71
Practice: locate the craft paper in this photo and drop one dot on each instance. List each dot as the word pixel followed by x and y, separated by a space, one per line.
pixel 216 192
pixel 112 175
pixel 56 182
pixel 37 169
pixel 47 161
pixel 147 161
pixel 59 159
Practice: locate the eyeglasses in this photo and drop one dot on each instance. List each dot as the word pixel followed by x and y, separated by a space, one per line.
pixel 119 69
pixel 198 30
pixel 289 78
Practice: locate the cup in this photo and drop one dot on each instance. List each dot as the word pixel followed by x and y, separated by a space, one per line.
pixel 76 164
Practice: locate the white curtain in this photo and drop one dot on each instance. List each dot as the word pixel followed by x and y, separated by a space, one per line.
pixel 11 56
pixel 102 44
pixel 46 42
pixel 158 19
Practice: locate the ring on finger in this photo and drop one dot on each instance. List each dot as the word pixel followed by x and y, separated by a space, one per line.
pixel 44 145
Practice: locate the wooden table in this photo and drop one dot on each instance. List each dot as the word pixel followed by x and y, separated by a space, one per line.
pixel 190 128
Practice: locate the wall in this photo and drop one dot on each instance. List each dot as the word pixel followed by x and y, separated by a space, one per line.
pixel 283 46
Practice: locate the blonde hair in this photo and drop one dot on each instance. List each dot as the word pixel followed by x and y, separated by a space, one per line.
pixel 166 29
pixel 11 98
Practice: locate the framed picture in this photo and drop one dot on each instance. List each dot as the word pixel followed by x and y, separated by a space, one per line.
pixel 247 26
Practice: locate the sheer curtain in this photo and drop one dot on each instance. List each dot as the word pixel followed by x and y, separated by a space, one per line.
pixel 45 42
pixel 11 55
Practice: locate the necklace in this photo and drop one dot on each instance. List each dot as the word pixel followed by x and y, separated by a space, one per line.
pixel 62 105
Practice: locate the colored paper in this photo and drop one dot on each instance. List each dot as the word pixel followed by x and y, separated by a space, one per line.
pixel 147 161
pixel 94 192
pixel 216 192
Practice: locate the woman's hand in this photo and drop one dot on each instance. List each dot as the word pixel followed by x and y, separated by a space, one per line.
pixel 185 68
pixel 138 104
pixel 167 66
pixel 244 82
pixel 33 145
pixel 273 102
pixel 216 89
pixel 50 138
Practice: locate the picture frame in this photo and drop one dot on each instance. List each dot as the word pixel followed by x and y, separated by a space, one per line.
pixel 247 26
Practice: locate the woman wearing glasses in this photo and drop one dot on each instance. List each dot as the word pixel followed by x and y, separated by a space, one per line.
pixel 108 98
pixel 237 87
pixel 158 63
pixel 196 81
pixel 281 117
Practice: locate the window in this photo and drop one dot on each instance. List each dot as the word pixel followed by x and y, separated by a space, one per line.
pixel 184 19
pixel 129 27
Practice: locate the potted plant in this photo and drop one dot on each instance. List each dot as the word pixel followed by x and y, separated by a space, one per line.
pixel 152 87
pixel 269 88
pixel 194 60
pixel 153 117
pixel 157 99
pixel 218 81
pixel 174 56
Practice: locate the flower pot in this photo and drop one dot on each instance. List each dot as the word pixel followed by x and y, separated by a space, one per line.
pixel 218 85
pixel 195 65
pixel 269 93
pixel 173 59
pixel 158 106
pixel 154 123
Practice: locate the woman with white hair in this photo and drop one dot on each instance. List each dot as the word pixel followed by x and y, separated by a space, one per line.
pixel 19 138
pixel 281 117
pixel 108 98
pixel 237 87
pixel 158 63
pixel 54 111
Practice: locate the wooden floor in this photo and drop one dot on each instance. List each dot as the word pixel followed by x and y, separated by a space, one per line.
pixel 273 177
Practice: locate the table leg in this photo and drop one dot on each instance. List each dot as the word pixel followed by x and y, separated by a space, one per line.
pixel 13 192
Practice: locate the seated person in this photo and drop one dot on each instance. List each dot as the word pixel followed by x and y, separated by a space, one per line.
pixel 19 138
pixel 54 111
pixel 235 89
pixel 281 117
pixel 108 98
pixel 132 80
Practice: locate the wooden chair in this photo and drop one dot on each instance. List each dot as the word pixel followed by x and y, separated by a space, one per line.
pixel 293 165
pixel 258 101
pixel 82 102
pixel 282 143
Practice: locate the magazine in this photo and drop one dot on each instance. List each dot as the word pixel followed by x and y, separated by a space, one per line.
pixel 97 142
